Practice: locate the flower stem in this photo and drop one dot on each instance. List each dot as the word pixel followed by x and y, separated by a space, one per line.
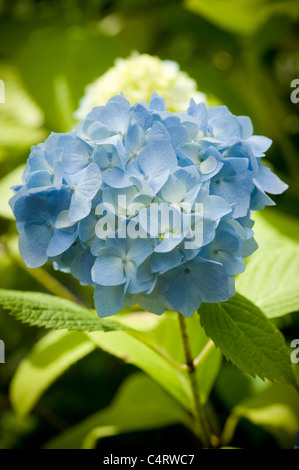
pixel 202 425
pixel 43 277
pixel 204 353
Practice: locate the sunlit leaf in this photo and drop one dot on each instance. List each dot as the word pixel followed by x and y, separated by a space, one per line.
pixel 12 179
pixel 275 409
pixel 151 343
pixel 132 349
pixel 271 278
pixel 242 16
pixel 49 358
pixel 167 335
pixel 248 339
pixel 53 312
pixel 140 404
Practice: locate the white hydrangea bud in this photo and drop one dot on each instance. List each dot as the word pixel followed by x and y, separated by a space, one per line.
pixel 137 77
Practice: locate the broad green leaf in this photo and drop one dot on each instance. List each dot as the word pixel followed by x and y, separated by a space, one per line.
pixel 153 344
pixel 158 339
pixel 168 336
pixel 275 409
pixel 271 278
pixel 242 16
pixel 53 312
pixel 12 179
pixel 136 347
pixel 233 385
pixel 140 404
pixel 139 349
pixel 49 359
pixel 274 229
pixel 248 339
pixel 271 281
pixel 273 224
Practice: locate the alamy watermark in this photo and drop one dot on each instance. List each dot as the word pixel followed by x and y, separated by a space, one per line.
pixel 182 221
pixel 2 352
pixel 295 353
pixel 295 94
pixel 2 92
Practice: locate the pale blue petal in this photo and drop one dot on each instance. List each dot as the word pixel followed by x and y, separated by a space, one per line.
pixel 156 159
pixel 60 242
pixel 157 103
pixel 108 270
pixel 108 300
pixel 140 249
pixel 269 181
pixel 33 243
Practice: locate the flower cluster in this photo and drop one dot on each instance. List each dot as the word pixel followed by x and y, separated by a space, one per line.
pixel 138 77
pixel 90 203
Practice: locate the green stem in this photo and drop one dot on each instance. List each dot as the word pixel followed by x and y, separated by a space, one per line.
pixel 159 351
pixel 204 353
pixel 50 283
pixel 44 278
pixel 202 425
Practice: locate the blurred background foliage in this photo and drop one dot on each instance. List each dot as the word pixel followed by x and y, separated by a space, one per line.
pixel 243 53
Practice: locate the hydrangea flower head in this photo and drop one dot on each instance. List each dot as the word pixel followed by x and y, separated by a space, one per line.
pixel 138 77
pixel 148 206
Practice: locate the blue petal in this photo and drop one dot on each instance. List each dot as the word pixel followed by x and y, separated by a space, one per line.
pixel 259 144
pixel 81 267
pixel 140 249
pixel 33 243
pixel 108 300
pixel 269 181
pixel 156 159
pixel 80 207
pixel 162 262
pixel 108 270
pixel 157 103
pixel 134 138
pixel 60 242
pixel 212 281
pixel 183 295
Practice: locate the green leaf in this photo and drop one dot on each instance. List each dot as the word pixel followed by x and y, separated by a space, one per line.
pixel 13 178
pixel 140 404
pixel 158 340
pixel 248 339
pixel 276 410
pixel 233 385
pixel 272 224
pixel 49 359
pixel 167 335
pixel 136 347
pixel 53 312
pixel 271 278
pixel 242 16
pixel 139 349
pixel 153 346
pixel 271 281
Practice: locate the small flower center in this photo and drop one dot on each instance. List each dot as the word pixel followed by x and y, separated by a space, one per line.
pixel 49 225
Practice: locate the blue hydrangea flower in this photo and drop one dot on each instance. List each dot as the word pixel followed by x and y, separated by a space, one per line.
pixel 147 206
pixel 44 230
